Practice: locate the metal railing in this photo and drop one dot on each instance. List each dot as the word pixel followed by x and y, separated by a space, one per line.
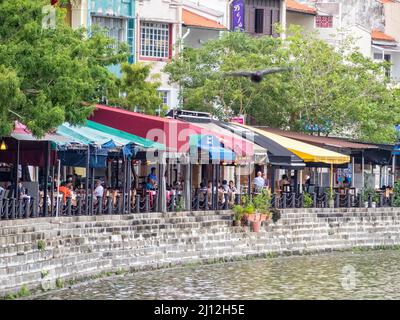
pixel 11 208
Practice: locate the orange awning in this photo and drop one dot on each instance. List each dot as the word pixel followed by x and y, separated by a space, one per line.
pixel 191 19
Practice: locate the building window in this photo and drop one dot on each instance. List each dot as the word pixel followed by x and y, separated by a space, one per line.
pixel 259 21
pixel 155 40
pixel 116 27
pixel 164 96
pixel 324 21
pixel 384 57
pixel 388 58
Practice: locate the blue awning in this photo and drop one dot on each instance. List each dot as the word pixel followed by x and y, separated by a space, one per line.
pixel 212 146
pixel 78 157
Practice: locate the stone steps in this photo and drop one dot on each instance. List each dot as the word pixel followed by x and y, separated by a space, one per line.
pixel 89 245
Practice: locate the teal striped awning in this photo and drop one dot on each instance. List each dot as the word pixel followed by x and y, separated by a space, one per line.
pixel 93 133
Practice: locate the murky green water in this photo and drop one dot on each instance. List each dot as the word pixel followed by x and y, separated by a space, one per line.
pixel 364 275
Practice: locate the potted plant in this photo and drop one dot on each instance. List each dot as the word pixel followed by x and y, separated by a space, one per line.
pixel 261 205
pixel 308 200
pixel 238 214
pixel 248 210
pixel 375 199
pixel 255 219
pixel 369 191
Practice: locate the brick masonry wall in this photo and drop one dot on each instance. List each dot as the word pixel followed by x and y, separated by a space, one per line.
pixel 37 252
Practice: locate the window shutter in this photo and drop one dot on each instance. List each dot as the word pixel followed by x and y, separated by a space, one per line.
pixel 275 20
pixel 267 21
pixel 250 19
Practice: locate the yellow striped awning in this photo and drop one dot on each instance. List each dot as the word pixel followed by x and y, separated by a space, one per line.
pixel 307 152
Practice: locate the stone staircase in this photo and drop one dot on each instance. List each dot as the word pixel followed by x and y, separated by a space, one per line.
pixel 37 252
pixel 74 247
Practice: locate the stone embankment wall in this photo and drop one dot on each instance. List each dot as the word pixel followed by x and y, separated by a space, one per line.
pixel 41 253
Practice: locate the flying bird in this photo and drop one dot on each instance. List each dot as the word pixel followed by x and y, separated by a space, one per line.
pixel 257 76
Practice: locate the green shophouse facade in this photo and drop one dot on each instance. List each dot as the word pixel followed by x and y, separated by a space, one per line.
pixel 118 17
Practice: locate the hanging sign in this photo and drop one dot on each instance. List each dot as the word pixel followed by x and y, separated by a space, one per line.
pixel 238 15
pixel 239 119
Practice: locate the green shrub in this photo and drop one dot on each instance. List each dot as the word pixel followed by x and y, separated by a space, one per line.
pixel 119 271
pixel 59 283
pixel 249 209
pixel 262 202
pixel 24 291
pixel 180 205
pixel 308 200
pixel 239 212
pixel 396 194
pixel 11 296
pixel 370 191
pixel 44 273
pixel 41 245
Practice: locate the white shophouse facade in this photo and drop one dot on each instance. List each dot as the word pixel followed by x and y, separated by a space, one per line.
pixel 374 26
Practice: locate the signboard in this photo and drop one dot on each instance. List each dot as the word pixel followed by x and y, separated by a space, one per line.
pixel 238 15
pixel 239 119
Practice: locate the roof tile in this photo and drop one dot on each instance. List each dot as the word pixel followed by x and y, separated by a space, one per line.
pixel 379 35
pixel 194 20
pixel 293 5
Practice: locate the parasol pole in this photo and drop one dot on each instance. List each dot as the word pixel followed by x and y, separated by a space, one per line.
pixel 58 186
pixel 331 177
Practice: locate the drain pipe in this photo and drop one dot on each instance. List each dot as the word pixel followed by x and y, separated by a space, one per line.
pixel 184 37
pixel 181 49
pixel 228 14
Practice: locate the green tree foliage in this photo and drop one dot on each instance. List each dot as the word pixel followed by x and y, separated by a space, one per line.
pixel 53 74
pixel 137 90
pixel 337 90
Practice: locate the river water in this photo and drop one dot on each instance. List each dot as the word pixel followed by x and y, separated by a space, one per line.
pixel 361 275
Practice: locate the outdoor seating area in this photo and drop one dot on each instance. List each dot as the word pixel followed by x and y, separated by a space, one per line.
pixel 183 163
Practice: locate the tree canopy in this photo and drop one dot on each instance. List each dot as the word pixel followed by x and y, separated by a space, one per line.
pixel 334 91
pixel 50 73
pixel 137 90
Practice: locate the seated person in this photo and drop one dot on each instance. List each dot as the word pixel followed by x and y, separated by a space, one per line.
pixel 221 192
pixel 203 188
pixel 209 188
pixel 225 187
pixel 232 191
pixel 178 186
pixel 65 189
pixel 152 177
pixel 149 185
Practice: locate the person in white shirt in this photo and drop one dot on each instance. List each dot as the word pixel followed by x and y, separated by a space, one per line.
pixel 258 182
pixel 99 190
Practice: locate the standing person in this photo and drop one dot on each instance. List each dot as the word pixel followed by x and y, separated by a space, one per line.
pixel 307 183
pixel 99 190
pixel 284 182
pixel 266 180
pixel 258 182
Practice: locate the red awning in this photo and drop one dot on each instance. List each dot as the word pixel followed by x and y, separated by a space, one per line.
pixel 175 134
